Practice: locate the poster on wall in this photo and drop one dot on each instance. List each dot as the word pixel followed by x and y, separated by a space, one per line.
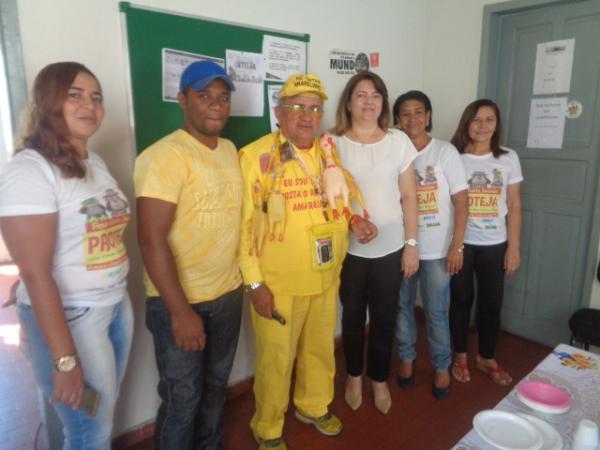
pixel 553 67
pixel 350 62
pixel 546 122
pixel 247 71
pixel 283 57
pixel 273 96
pixel 173 64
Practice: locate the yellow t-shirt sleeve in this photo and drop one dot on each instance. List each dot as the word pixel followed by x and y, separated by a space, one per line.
pixel 159 173
pixel 249 264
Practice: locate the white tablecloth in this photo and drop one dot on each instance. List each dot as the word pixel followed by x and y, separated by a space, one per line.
pixel 575 371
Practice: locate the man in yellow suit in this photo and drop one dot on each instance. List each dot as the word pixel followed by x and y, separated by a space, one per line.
pixel 293 277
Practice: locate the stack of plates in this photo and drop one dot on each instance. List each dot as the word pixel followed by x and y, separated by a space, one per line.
pixel 544 397
pixel 509 431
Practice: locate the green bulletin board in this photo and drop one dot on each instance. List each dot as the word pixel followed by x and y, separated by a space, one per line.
pixel 148 32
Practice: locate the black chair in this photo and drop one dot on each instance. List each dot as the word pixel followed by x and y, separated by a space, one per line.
pixel 585 327
pixel 585 324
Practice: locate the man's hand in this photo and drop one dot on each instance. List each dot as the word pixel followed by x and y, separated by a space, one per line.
pixel 188 330
pixel 363 229
pixel 68 387
pixel 262 300
pixel 410 260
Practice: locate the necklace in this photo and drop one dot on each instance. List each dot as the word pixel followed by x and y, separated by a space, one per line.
pixel 316 180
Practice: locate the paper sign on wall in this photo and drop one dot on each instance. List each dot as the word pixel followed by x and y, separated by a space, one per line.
pixel 273 96
pixel 283 57
pixel 553 66
pixel 547 122
pixel 173 64
pixel 247 70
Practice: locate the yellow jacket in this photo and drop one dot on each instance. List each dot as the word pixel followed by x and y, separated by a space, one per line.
pixel 288 267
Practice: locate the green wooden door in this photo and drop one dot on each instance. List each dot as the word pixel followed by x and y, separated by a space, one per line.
pixel 559 239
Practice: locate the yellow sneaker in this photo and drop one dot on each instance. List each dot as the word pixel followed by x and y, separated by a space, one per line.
pixel 270 444
pixel 328 424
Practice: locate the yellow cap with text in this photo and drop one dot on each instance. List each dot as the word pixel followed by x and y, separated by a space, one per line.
pixel 303 84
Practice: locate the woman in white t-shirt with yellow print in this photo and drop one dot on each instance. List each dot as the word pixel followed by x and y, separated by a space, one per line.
pixel 62 217
pixel 492 237
pixel 442 210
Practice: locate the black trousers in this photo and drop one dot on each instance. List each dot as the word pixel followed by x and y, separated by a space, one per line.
pixel 371 284
pixel 486 263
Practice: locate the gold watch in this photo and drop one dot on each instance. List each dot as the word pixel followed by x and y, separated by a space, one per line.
pixel 65 363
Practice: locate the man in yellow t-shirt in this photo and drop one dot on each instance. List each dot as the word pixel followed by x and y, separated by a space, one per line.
pixel 189 194
pixel 293 276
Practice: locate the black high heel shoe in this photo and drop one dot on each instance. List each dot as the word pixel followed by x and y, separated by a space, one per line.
pixel 406 382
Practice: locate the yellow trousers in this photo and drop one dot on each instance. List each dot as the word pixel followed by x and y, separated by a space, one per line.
pixel 308 338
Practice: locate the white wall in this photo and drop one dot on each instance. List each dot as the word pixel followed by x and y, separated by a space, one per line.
pixel 89 31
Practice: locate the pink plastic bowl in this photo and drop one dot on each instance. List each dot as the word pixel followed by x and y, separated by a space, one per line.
pixel 545 395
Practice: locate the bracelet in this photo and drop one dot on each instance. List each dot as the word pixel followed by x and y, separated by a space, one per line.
pixel 354 219
pixel 461 248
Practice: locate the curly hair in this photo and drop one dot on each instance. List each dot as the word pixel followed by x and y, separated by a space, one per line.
pixel 343 118
pixel 46 130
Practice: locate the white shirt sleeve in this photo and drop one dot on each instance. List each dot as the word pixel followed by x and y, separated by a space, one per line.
pixel 407 151
pixel 515 175
pixel 454 170
pixel 27 186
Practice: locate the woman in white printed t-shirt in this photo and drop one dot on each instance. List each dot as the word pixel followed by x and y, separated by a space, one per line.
pixel 381 161
pixel 62 218
pixel 492 238
pixel 442 210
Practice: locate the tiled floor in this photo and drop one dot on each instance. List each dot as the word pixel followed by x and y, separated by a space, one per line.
pixel 19 417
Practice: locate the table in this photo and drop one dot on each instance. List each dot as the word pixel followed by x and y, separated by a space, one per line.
pixel 575 371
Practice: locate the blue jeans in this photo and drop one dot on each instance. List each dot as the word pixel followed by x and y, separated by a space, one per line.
pixel 102 337
pixel 435 293
pixel 192 385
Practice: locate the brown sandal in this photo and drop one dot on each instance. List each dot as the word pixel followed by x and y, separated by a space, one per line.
pixel 497 374
pixel 460 372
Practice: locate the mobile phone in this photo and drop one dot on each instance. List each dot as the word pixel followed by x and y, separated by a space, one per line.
pixel 278 317
pixel 89 402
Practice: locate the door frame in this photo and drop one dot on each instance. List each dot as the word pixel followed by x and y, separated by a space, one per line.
pixel 487 88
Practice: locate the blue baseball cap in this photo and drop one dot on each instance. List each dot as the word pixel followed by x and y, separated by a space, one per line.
pixel 201 73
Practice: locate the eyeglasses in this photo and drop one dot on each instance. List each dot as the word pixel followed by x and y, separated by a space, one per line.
pixel 298 109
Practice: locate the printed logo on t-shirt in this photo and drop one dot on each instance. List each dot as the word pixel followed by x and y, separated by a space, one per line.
pixel 427 198
pixel 105 223
pixel 484 196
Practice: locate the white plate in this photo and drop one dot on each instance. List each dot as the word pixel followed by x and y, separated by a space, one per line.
pixel 551 437
pixel 541 408
pixel 507 431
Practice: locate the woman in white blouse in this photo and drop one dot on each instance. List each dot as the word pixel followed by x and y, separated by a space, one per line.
pixel 381 161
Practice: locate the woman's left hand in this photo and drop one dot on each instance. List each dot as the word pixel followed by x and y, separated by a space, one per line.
pixel 512 260
pixel 410 260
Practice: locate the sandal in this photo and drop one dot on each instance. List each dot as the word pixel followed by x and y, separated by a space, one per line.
pixel 460 372
pixel 497 374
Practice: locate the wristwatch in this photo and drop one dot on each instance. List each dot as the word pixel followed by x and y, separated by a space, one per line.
pixel 411 242
pixel 65 363
pixel 252 286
